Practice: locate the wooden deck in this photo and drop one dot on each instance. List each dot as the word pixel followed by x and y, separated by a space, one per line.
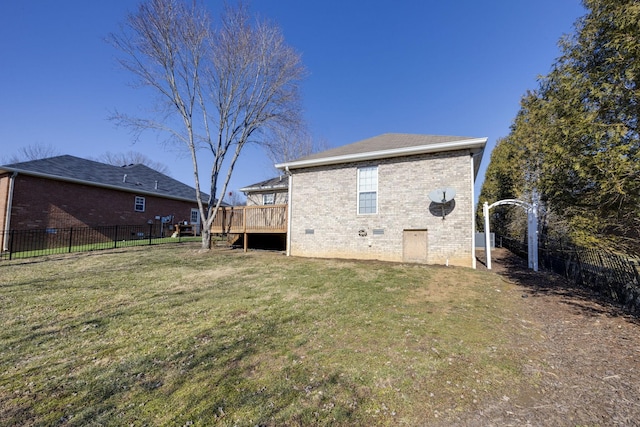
pixel 250 219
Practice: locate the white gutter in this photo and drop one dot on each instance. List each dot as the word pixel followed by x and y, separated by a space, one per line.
pixel 266 187
pixel 97 184
pixel 7 222
pixel 472 144
pixel 289 203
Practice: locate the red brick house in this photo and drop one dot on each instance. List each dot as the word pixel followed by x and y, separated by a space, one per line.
pixel 67 191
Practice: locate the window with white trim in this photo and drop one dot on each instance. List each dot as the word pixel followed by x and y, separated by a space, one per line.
pixel 368 190
pixel 269 199
pixel 139 204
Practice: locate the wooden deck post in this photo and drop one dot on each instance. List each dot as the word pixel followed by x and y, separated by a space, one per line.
pixel 244 229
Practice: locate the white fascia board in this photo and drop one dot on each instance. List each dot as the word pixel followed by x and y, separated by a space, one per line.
pixel 95 184
pixel 479 154
pixel 476 144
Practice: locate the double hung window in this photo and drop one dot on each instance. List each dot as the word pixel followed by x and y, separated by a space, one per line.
pixel 139 204
pixel 368 190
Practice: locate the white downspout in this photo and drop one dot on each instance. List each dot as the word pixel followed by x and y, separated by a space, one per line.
pixel 7 220
pixel 473 216
pixel 487 234
pixel 289 203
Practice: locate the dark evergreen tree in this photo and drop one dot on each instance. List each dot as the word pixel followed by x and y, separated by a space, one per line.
pixel 575 140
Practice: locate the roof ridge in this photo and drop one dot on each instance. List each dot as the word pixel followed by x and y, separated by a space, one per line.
pixel 388 145
pixel 139 178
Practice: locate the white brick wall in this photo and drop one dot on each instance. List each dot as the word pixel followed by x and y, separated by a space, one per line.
pixel 325 222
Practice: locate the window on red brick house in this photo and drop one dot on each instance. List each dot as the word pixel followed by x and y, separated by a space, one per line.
pixel 139 204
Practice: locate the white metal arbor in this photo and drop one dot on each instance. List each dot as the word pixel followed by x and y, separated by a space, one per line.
pixel 532 229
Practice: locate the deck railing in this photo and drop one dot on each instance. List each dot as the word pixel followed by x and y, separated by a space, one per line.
pixel 251 219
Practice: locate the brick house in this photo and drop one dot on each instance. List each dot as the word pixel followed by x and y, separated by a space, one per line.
pixel 274 191
pixel 370 200
pixel 67 191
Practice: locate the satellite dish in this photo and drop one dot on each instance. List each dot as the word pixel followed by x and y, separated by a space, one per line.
pixel 443 195
pixel 449 194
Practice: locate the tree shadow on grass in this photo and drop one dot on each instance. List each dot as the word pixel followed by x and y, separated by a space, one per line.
pixel 544 283
pixel 248 378
pixel 243 370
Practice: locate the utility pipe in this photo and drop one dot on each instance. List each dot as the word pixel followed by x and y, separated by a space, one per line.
pixel 289 203
pixel 7 220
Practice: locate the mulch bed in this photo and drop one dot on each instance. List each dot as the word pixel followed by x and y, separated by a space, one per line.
pixel 583 356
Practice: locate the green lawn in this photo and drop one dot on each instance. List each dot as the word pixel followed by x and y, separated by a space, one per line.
pixel 167 335
pixel 99 246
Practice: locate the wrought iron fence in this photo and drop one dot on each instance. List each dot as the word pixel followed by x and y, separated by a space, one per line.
pixel 49 241
pixel 514 245
pixel 614 276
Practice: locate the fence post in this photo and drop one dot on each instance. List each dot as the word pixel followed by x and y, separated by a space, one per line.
pixel 635 272
pixel 70 238
pixel 115 237
pixel 150 231
pixel 11 244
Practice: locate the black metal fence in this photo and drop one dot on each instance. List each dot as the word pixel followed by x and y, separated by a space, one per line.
pixel 617 277
pixel 514 245
pixel 48 241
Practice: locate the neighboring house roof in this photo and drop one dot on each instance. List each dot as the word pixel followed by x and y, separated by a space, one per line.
pixel 137 178
pixel 389 145
pixel 273 184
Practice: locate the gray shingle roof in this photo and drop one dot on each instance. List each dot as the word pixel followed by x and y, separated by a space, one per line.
pixel 387 141
pixel 136 178
pixel 391 145
pixel 277 183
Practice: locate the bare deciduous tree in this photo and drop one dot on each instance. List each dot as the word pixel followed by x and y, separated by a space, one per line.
pixel 33 152
pixel 226 86
pixel 286 145
pixel 235 198
pixel 132 158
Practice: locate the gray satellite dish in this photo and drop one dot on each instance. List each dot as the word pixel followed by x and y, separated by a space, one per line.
pixel 444 195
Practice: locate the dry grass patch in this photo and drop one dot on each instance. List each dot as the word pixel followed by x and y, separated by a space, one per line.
pixel 170 336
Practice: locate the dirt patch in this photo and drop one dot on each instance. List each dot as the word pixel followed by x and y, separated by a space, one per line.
pixel 583 356
pixel 446 289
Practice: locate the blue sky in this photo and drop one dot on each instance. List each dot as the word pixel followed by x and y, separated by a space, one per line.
pixel 409 66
